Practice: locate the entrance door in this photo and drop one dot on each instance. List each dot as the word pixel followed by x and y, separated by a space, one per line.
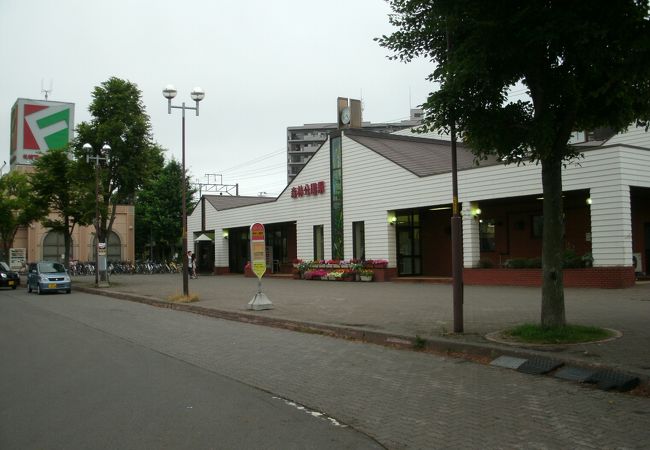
pixel 205 256
pixel 409 259
pixel 238 249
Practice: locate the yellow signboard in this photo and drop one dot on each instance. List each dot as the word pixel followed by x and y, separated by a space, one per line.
pixel 258 250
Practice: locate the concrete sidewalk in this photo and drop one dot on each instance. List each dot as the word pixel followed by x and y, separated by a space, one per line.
pixel 395 313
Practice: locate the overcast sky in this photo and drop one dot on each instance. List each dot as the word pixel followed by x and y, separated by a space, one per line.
pixel 264 65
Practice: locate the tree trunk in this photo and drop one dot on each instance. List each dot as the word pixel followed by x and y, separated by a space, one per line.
pixel 553 314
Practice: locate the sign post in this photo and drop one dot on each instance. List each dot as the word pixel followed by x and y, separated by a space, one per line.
pixel 258 264
pixel 101 264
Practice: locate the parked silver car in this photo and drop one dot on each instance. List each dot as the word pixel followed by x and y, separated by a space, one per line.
pixel 48 276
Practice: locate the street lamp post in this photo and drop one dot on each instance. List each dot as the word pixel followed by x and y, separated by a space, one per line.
pixel 197 95
pixel 97 158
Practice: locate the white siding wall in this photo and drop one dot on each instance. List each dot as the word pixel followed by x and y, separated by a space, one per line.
pixel 636 136
pixel 635 167
pixel 194 224
pixel 611 226
pixel 306 211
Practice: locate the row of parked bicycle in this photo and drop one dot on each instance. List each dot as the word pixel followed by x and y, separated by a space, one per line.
pixel 126 267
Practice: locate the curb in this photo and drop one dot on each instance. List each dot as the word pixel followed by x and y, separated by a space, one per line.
pixel 478 352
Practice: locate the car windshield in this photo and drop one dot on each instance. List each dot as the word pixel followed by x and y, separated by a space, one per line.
pixel 48 267
pixel 4 266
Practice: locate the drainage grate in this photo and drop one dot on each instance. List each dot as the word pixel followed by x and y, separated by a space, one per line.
pixel 539 366
pixel 608 380
pixel 574 374
pixel 508 362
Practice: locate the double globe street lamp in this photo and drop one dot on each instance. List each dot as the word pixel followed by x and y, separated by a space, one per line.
pixel 197 95
pixel 88 149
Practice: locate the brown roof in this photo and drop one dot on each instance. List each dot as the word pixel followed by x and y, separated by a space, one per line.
pixel 221 202
pixel 421 156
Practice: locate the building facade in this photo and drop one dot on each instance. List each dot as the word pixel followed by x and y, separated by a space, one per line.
pixel 39 243
pixel 374 196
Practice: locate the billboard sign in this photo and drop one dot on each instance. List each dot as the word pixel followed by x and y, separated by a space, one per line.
pixel 38 126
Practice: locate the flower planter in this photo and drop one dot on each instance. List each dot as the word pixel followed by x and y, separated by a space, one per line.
pixel 365 278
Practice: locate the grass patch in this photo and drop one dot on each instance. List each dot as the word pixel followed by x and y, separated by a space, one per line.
pixel 569 334
pixel 419 343
pixel 183 298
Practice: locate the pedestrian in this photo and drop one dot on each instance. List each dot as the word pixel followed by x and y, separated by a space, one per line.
pixel 190 264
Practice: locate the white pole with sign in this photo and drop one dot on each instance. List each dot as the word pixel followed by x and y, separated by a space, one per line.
pixel 258 264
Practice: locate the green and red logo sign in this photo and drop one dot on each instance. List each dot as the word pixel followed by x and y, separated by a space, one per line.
pixel 39 126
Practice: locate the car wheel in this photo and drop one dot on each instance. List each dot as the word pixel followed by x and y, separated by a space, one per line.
pixel 14 287
pixel 38 289
pixel 68 291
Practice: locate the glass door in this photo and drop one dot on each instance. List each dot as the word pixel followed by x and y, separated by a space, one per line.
pixel 409 259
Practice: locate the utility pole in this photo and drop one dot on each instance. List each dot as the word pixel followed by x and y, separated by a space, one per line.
pixel 456 224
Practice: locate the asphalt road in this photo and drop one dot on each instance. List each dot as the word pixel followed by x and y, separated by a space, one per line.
pixel 67 385
pixel 84 371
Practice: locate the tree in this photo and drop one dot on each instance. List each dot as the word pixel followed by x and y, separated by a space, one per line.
pixel 18 207
pixel 61 192
pixel 118 119
pixel 158 211
pixel 585 65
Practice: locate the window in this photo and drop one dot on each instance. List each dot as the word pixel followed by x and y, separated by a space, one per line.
pixel 487 235
pixel 319 243
pixel 54 247
pixel 358 240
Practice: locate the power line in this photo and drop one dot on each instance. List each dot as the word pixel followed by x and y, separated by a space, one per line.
pixel 256 159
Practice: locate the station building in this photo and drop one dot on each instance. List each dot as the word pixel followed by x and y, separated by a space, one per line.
pixel 366 195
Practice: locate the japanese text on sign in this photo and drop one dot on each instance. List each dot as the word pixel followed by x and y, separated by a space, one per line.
pixel 308 189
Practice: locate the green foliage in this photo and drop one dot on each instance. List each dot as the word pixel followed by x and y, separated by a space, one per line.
pixel 158 212
pixel 118 119
pixel 419 343
pixel 583 66
pixel 61 192
pixel 485 263
pixel 568 334
pixel 18 207
pixel 516 263
pixel 572 260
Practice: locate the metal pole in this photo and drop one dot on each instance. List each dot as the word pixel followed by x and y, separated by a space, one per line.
pixel 184 213
pixel 456 240
pixel 197 95
pixel 97 221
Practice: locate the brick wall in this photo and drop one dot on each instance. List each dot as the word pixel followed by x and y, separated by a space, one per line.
pixel 595 277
